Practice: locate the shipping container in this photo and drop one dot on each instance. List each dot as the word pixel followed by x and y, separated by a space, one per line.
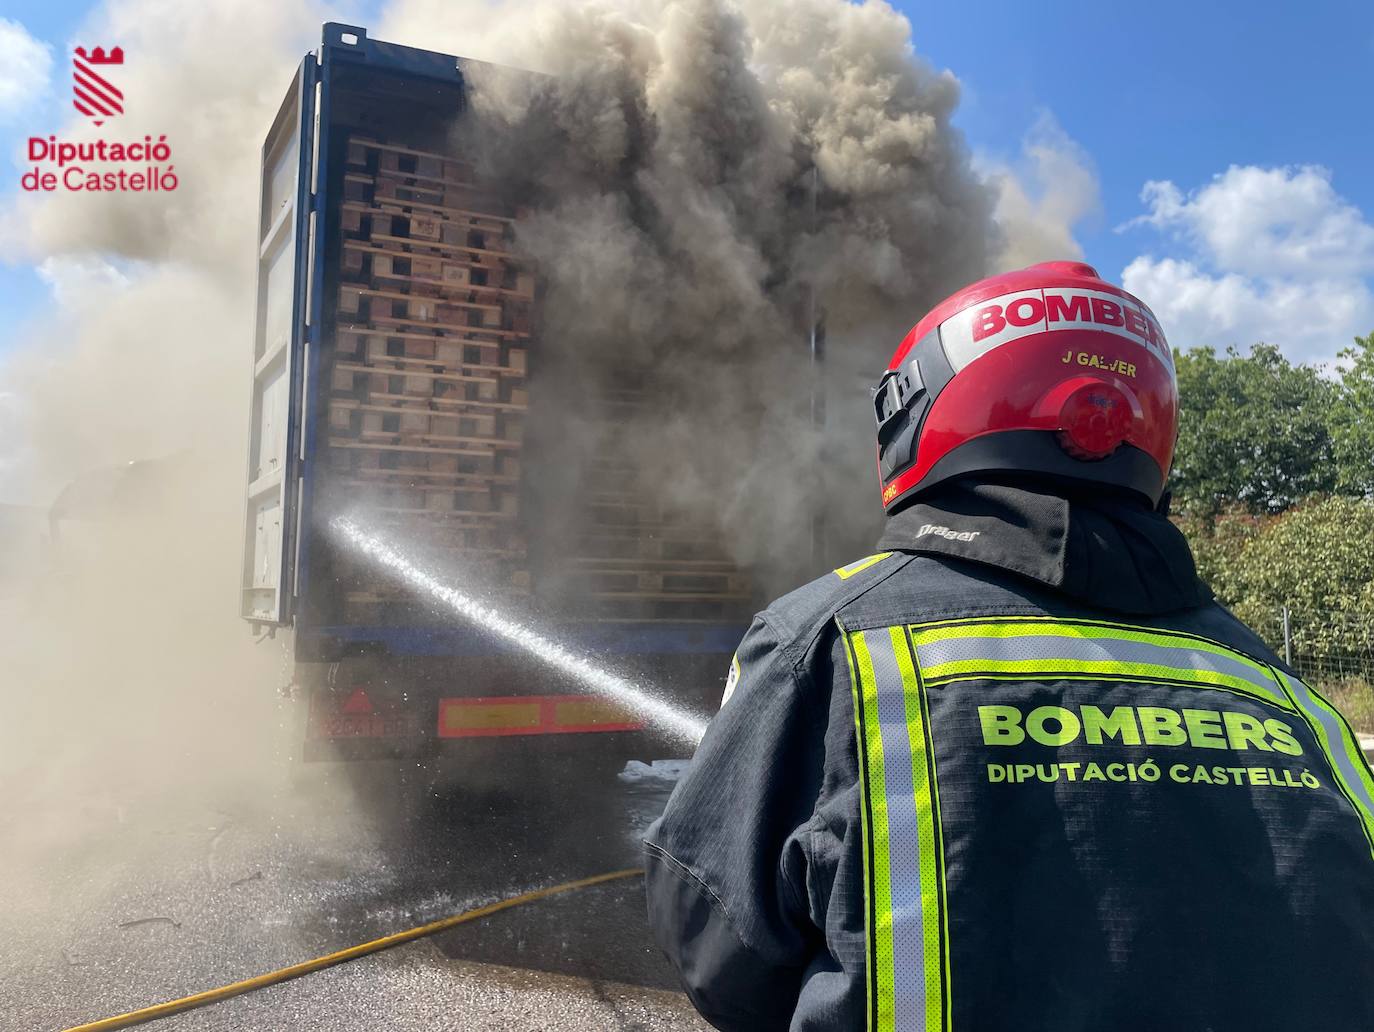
pixel 397 340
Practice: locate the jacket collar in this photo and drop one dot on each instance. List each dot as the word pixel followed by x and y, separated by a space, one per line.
pixel 1103 550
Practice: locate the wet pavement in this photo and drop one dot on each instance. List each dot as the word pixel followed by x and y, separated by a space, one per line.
pixel 116 902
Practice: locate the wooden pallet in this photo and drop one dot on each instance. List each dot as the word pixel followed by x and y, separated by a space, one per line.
pixel 398 159
pixel 632 544
pixel 380 352
pixel 492 534
pixel 425 235
pixel 427 391
pixel 674 609
pixel 429 394
pixel 615 564
pixel 365 600
pixel 622 509
pixel 661 583
pixel 377 154
pixel 361 418
pixel 390 308
pixel 458 276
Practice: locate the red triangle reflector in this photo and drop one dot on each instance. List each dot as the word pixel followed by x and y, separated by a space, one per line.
pixel 358 702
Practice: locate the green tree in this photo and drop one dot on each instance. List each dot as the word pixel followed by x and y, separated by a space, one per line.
pixel 1218 543
pixel 1352 420
pixel 1317 561
pixel 1317 556
pixel 1254 432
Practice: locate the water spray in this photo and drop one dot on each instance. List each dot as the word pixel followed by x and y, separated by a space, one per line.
pixel 654 710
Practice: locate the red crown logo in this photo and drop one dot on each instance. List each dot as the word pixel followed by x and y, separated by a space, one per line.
pixel 98 55
pixel 92 93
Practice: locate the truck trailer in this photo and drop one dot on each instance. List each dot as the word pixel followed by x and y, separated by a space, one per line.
pixel 395 380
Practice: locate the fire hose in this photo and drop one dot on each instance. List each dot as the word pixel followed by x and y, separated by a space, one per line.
pixel 248 985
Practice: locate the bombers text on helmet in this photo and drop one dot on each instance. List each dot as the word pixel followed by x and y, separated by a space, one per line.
pixel 1048 370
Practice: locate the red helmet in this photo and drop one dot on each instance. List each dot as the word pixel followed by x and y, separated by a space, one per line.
pixel 1048 370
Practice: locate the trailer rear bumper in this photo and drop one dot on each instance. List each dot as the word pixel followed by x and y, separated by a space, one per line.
pixel 355 727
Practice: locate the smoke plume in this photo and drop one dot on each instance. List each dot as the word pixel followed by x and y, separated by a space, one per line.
pixel 704 182
pixel 128 671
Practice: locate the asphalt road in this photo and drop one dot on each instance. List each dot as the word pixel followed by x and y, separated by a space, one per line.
pixel 113 903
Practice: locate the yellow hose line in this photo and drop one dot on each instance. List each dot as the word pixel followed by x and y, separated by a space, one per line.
pixel 162 1010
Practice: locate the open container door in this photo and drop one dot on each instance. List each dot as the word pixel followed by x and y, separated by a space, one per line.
pixel 286 245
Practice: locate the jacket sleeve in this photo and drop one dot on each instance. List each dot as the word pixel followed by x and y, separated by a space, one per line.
pixel 726 867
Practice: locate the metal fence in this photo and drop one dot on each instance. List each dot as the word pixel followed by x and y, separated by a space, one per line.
pixel 1330 649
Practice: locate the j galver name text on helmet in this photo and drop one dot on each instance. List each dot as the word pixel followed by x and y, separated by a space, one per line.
pixel 977 330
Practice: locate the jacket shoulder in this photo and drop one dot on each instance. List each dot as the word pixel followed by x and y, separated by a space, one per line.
pixel 801 615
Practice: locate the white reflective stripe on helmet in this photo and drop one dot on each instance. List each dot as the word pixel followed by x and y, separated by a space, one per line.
pixel 978 329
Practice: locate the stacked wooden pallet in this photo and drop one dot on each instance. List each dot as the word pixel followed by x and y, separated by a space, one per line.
pixel 428 395
pixel 637 556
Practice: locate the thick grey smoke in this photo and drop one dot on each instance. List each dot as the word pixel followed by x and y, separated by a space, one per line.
pixel 670 166
pixel 127 670
pixel 704 180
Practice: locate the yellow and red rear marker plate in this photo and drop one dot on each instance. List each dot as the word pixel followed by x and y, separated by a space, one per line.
pixel 493 716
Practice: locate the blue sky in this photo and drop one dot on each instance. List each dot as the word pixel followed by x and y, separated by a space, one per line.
pixel 1166 91
pixel 1250 120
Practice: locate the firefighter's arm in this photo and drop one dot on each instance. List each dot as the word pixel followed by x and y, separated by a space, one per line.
pixel 725 869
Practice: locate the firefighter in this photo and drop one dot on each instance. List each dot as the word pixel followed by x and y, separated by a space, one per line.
pixel 1017 770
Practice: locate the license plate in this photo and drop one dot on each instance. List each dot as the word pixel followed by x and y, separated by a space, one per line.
pixel 365 725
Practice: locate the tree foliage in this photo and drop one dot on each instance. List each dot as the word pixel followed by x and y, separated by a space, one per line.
pixel 1217 543
pixel 1274 485
pixel 1352 420
pixel 1318 555
pixel 1254 432
pixel 1317 561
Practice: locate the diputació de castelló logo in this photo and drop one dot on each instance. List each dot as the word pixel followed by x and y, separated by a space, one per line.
pixel 93 94
pixel 83 166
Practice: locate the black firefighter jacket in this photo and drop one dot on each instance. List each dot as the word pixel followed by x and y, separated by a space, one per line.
pixel 1018 771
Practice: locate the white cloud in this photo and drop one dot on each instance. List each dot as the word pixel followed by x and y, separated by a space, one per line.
pixel 1051 189
pixel 1267 222
pixel 1272 254
pixel 83 280
pixel 25 64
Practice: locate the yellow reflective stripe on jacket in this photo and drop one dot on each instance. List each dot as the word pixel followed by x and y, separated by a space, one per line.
pixel 858 566
pixel 894 674
pixel 908 961
pixel 1050 649
pixel 1342 749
